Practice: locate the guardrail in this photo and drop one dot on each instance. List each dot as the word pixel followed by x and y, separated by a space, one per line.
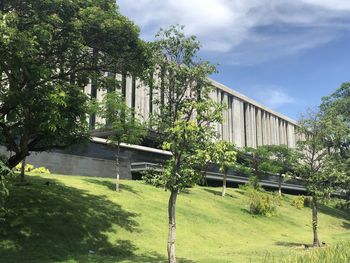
pixel 271 181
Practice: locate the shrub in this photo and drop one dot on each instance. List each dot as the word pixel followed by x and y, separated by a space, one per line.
pixel 41 170
pixel 277 198
pixel 298 202
pixel 261 203
pixel 27 168
pixel 5 173
pixel 343 205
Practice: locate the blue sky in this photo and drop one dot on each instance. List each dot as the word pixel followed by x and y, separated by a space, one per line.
pixel 286 55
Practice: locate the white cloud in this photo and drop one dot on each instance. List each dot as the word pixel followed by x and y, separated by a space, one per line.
pixel 246 31
pixel 273 97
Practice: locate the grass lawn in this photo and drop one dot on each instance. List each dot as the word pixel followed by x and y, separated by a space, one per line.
pixel 82 219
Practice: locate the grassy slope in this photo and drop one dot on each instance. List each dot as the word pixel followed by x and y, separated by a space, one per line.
pixel 63 221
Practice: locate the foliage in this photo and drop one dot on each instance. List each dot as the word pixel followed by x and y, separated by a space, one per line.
pixel 224 155
pixel 41 170
pixel 261 203
pixel 338 253
pixel 50 50
pixel 336 116
pixel 298 202
pixel 119 120
pixel 343 205
pixel 120 123
pixel 28 167
pixel 31 168
pixel 186 114
pixel 5 173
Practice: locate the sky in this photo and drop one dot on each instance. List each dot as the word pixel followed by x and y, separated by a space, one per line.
pixel 285 54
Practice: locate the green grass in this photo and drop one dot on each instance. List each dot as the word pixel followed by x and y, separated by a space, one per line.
pixel 82 219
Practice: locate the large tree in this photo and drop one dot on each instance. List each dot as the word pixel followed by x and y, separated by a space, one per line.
pixel 49 51
pixel 336 114
pixel 185 116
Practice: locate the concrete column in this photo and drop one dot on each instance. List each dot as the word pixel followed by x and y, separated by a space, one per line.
pixel 247 125
pixel 253 125
pixel 230 119
pixel 225 123
pixel 259 128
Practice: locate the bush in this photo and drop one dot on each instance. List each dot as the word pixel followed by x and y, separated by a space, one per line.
pixel 298 202
pixel 343 205
pixel 41 170
pixel 5 173
pixel 277 198
pixel 27 168
pixel 262 203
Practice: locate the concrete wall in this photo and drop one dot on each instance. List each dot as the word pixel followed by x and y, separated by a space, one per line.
pixel 246 122
pixel 91 159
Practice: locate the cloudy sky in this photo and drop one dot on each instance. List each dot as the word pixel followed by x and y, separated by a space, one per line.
pixel 286 54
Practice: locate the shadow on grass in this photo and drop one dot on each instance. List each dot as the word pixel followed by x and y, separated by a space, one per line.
pixel 217 192
pixel 55 223
pixel 111 185
pixel 291 244
pixel 334 212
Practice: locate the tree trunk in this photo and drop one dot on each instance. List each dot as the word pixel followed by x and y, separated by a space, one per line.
pixel 172 227
pixel 280 184
pixel 316 242
pixel 224 183
pixel 118 169
pixel 23 170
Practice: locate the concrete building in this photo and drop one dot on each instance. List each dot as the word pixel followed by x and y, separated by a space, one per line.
pixel 246 123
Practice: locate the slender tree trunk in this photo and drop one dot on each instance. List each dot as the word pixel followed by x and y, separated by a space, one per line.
pixel 23 163
pixel 224 183
pixel 172 227
pixel 280 184
pixel 316 242
pixel 118 169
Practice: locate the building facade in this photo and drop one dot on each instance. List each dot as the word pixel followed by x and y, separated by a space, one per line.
pixel 246 123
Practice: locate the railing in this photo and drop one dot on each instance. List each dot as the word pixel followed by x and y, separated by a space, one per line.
pixel 267 181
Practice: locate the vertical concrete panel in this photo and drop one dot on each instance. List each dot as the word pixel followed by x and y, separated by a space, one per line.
pixel 238 122
pixel 128 91
pixel 225 123
pixel 230 119
pixel 259 127
pixel 247 124
pixel 253 125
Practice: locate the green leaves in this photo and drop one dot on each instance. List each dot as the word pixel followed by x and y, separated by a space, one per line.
pixel 49 51
pixel 224 155
pixel 119 119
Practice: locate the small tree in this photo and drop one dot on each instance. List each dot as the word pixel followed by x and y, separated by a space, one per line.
pixel 186 115
pixel 251 161
pixel 121 123
pixel 280 161
pixel 316 165
pixel 225 157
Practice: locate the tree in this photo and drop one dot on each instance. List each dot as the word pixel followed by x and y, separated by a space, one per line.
pixel 186 115
pixel 316 164
pixel 49 51
pixel 280 161
pixel 224 156
pixel 120 122
pixel 251 161
pixel 336 114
